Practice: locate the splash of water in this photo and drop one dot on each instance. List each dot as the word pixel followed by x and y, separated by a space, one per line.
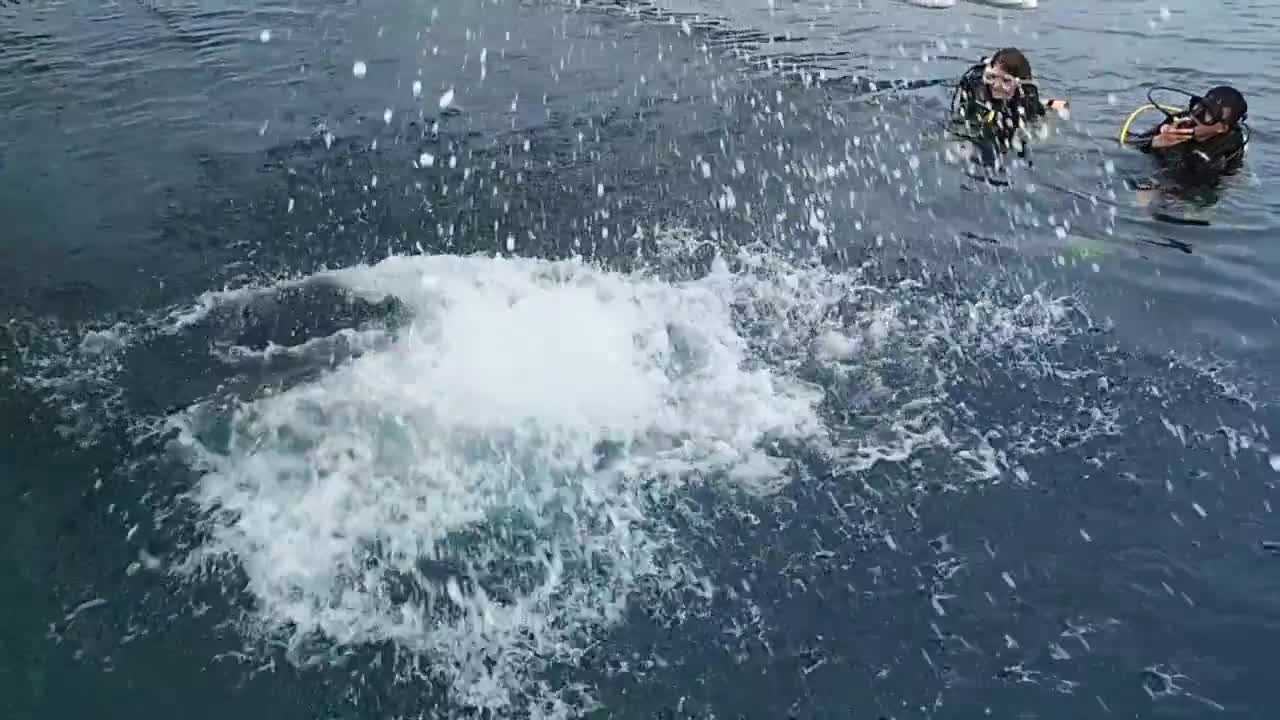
pixel 482 490
pixel 486 481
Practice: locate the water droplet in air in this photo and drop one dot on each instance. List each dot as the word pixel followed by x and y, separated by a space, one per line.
pixel 359 69
pixel 386 116
pixel 265 36
pixel 1275 462
pixel 1164 12
pixel 417 88
pixel 426 160
pixel 446 99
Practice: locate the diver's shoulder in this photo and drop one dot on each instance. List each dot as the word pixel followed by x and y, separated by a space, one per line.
pixel 1229 143
pixel 972 77
pixel 1239 134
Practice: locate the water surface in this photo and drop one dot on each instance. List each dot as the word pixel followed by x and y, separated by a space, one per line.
pixel 539 359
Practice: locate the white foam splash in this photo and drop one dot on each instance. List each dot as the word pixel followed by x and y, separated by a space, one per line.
pixel 447 493
pixel 480 486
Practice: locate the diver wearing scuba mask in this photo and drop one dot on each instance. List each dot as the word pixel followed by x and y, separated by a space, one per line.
pixel 1201 143
pixel 998 98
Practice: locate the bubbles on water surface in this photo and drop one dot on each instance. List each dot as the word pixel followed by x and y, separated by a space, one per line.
pixel 483 490
pixel 500 479
pixel 507 472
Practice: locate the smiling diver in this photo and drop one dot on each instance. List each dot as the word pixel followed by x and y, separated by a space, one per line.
pixel 996 101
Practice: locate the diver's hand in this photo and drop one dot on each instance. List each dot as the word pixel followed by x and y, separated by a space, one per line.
pixel 1170 136
pixel 1205 132
pixel 1058 104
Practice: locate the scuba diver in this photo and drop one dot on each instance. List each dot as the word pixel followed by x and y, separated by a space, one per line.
pixel 1203 142
pixel 996 101
pixel 1194 148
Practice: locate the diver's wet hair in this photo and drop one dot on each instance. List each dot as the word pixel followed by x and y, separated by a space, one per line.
pixel 1225 97
pixel 1013 62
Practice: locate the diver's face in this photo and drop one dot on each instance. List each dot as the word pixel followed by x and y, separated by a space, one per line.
pixel 1000 83
pixel 1208 120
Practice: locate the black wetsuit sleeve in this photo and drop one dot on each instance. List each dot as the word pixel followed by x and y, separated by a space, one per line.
pixel 1032 106
pixel 968 97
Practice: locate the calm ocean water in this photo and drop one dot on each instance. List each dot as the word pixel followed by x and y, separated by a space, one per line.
pixel 624 360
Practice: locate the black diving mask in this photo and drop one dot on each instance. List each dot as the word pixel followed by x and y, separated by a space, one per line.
pixel 1200 110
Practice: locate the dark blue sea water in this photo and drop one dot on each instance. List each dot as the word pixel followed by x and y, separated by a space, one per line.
pixel 624 360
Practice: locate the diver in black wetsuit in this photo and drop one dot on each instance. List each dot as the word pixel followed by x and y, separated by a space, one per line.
pixel 1198 147
pixel 1195 150
pixel 996 100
